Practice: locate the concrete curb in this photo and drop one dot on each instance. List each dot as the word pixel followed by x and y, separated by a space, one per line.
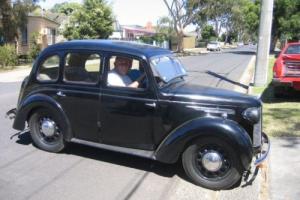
pixel 246 77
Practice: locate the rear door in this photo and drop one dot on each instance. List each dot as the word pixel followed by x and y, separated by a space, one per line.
pixel 79 93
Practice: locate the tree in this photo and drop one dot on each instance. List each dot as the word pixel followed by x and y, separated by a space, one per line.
pixel 216 12
pixel 65 8
pixel 286 21
pixel 165 27
pixel 243 20
pixel 91 20
pixel 208 32
pixel 183 13
pixel 35 47
pixel 14 17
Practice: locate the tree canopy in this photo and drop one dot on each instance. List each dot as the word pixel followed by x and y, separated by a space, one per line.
pixel 13 16
pixel 65 8
pixel 93 20
pixel 183 13
pixel 286 21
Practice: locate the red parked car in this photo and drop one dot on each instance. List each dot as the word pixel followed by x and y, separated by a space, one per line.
pixel 286 70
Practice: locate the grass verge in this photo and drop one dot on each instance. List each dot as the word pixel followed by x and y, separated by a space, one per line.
pixel 281 116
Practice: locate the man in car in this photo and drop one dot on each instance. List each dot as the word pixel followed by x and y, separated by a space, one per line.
pixel 118 76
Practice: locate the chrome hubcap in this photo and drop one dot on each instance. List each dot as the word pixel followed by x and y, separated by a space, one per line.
pixel 212 161
pixel 48 127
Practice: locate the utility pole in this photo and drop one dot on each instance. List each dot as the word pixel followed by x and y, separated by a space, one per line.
pixel 264 39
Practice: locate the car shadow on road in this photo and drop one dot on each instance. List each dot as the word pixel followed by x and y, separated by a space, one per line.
pixel 147 165
pixel 165 170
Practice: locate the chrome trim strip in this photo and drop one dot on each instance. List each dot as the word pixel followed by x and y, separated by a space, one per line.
pixel 136 152
pixel 264 153
pixel 213 110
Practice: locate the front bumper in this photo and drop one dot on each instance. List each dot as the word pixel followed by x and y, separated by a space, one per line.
pixel 11 114
pixel 264 152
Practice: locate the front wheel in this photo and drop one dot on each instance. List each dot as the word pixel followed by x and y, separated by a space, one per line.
pixel 46 130
pixel 212 163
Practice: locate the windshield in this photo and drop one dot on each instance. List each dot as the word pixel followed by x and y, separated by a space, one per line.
pixel 167 68
pixel 293 49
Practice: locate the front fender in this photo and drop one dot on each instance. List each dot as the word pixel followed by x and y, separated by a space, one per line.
pixel 36 101
pixel 175 143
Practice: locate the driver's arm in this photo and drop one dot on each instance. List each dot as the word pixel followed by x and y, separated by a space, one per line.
pixel 136 83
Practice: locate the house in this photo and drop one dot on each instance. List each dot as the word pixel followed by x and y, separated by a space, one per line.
pixel 46 24
pixel 131 32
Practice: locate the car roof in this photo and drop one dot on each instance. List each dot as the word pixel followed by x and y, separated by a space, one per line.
pixel 110 45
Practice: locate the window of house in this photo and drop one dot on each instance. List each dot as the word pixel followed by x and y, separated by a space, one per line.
pixel 82 68
pixel 49 69
pixel 51 34
pixel 24 36
pixel 126 72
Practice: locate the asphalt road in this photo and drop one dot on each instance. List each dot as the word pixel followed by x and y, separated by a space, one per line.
pixel 82 172
pixel 222 70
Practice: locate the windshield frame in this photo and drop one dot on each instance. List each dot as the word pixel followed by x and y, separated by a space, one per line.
pixel 156 72
pixel 291 45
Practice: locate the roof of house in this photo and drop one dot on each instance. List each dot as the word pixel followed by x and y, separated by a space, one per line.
pixel 110 45
pixel 46 14
pixel 138 28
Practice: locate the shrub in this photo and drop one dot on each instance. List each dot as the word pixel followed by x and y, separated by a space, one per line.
pixel 8 56
pixel 35 47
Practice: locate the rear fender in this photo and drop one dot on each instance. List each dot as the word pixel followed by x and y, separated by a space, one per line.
pixel 37 101
pixel 175 143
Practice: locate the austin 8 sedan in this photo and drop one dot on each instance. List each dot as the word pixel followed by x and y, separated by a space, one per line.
pixel 134 98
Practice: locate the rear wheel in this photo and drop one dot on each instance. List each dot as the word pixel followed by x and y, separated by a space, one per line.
pixel 212 163
pixel 46 130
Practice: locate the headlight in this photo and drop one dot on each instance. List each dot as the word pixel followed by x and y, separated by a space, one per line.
pixel 252 115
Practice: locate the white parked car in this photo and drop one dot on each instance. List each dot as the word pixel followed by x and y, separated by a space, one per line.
pixel 214 46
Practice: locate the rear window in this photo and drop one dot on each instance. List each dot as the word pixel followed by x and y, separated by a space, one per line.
pixel 82 67
pixel 49 69
pixel 293 49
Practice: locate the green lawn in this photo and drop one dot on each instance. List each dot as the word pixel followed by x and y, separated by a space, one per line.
pixel 281 117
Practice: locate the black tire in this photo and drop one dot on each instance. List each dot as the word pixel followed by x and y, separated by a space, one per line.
pixel 229 173
pixel 51 144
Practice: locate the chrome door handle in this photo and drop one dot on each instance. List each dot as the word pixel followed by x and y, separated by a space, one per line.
pixel 61 94
pixel 151 104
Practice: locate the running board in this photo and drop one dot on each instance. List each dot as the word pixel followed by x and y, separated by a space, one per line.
pixel 136 152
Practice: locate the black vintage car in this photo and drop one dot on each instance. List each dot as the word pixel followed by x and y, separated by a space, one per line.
pixel 68 98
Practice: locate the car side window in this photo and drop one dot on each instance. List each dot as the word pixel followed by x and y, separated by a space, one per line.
pixel 49 69
pixel 126 72
pixel 82 68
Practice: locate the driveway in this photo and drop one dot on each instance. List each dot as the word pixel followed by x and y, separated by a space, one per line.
pixel 82 172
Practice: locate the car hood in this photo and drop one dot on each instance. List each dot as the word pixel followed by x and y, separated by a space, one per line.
pixel 186 92
pixel 291 57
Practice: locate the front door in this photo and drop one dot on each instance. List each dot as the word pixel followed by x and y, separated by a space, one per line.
pixel 127 112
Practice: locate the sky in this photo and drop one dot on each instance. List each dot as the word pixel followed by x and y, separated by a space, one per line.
pixel 128 12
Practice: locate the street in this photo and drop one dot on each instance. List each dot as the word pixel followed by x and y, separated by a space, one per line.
pixel 82 172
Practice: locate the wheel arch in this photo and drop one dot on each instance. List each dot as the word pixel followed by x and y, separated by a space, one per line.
pixel 175 143
pixel 35 102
